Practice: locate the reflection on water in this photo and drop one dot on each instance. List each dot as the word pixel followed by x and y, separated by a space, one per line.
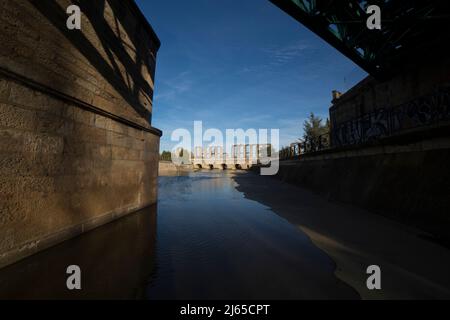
pixel 212 243
pixel 209 242
pixel 116 261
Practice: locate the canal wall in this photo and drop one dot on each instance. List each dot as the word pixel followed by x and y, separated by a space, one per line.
pixel 417 96
pixel 406 180
pixel 168 168
pixel 77 147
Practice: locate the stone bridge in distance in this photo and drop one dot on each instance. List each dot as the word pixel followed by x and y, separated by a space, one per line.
pixel 242 156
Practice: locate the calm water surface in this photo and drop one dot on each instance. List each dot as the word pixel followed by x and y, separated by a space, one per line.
pixel 203 240
pixel 213 243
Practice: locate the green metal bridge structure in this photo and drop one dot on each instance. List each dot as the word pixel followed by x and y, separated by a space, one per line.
pixel 408 28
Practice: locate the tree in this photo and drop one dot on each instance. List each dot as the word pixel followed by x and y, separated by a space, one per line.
pixel 314 131
pixel 166 156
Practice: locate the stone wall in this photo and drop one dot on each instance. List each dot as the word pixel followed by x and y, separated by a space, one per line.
pixel 405 181
pixel 416 98
pixel 168 168
pixel 77 148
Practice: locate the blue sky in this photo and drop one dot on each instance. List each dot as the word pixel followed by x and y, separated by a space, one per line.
pixel 240 64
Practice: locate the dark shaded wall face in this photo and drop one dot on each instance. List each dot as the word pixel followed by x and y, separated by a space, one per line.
pixel 417 98
pixel 109 63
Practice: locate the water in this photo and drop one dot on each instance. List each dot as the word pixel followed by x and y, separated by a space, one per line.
pixel 213 243
pixel 116 261
pixel 203 240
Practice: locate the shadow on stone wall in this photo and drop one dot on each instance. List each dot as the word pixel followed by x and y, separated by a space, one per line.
pixel 68 167
pixel 128 81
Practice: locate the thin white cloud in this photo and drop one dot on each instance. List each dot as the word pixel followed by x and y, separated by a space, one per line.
pixel 283 55
pixel 277 56
pixel 175 87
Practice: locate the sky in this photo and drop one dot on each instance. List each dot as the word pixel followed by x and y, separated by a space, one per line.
pixel 240 64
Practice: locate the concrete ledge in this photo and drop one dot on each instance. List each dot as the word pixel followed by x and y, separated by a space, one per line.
pixel 21 80
pixel 169 168
pixel 424 145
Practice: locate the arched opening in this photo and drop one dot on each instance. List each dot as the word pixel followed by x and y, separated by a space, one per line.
pixel 224 166
pixel 199 166
pixel 237 166
pixel 211 167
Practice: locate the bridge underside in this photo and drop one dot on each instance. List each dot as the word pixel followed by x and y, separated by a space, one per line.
pixel 408 27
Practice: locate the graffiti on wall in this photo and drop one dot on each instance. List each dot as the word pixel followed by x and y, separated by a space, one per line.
pixel 427 110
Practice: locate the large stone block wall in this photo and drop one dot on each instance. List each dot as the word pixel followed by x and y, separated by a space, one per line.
pixel 110 63
pixel 416 98
pixel 77 148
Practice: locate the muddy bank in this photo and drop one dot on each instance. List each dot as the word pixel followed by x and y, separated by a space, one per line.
pixel 354 238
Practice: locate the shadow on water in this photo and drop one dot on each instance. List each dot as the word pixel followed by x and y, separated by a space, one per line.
pixel 208 242
pixel 116 261
pixel 355 238
pixel 213 243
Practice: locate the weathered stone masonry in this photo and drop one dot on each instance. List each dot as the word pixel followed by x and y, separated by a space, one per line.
pixel 77 148
pixel 416 99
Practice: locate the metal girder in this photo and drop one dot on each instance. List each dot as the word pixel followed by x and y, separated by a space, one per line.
pixel 406 26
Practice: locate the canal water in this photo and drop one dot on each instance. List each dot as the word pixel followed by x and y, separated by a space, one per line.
pixel 213 243
pixel 203 240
